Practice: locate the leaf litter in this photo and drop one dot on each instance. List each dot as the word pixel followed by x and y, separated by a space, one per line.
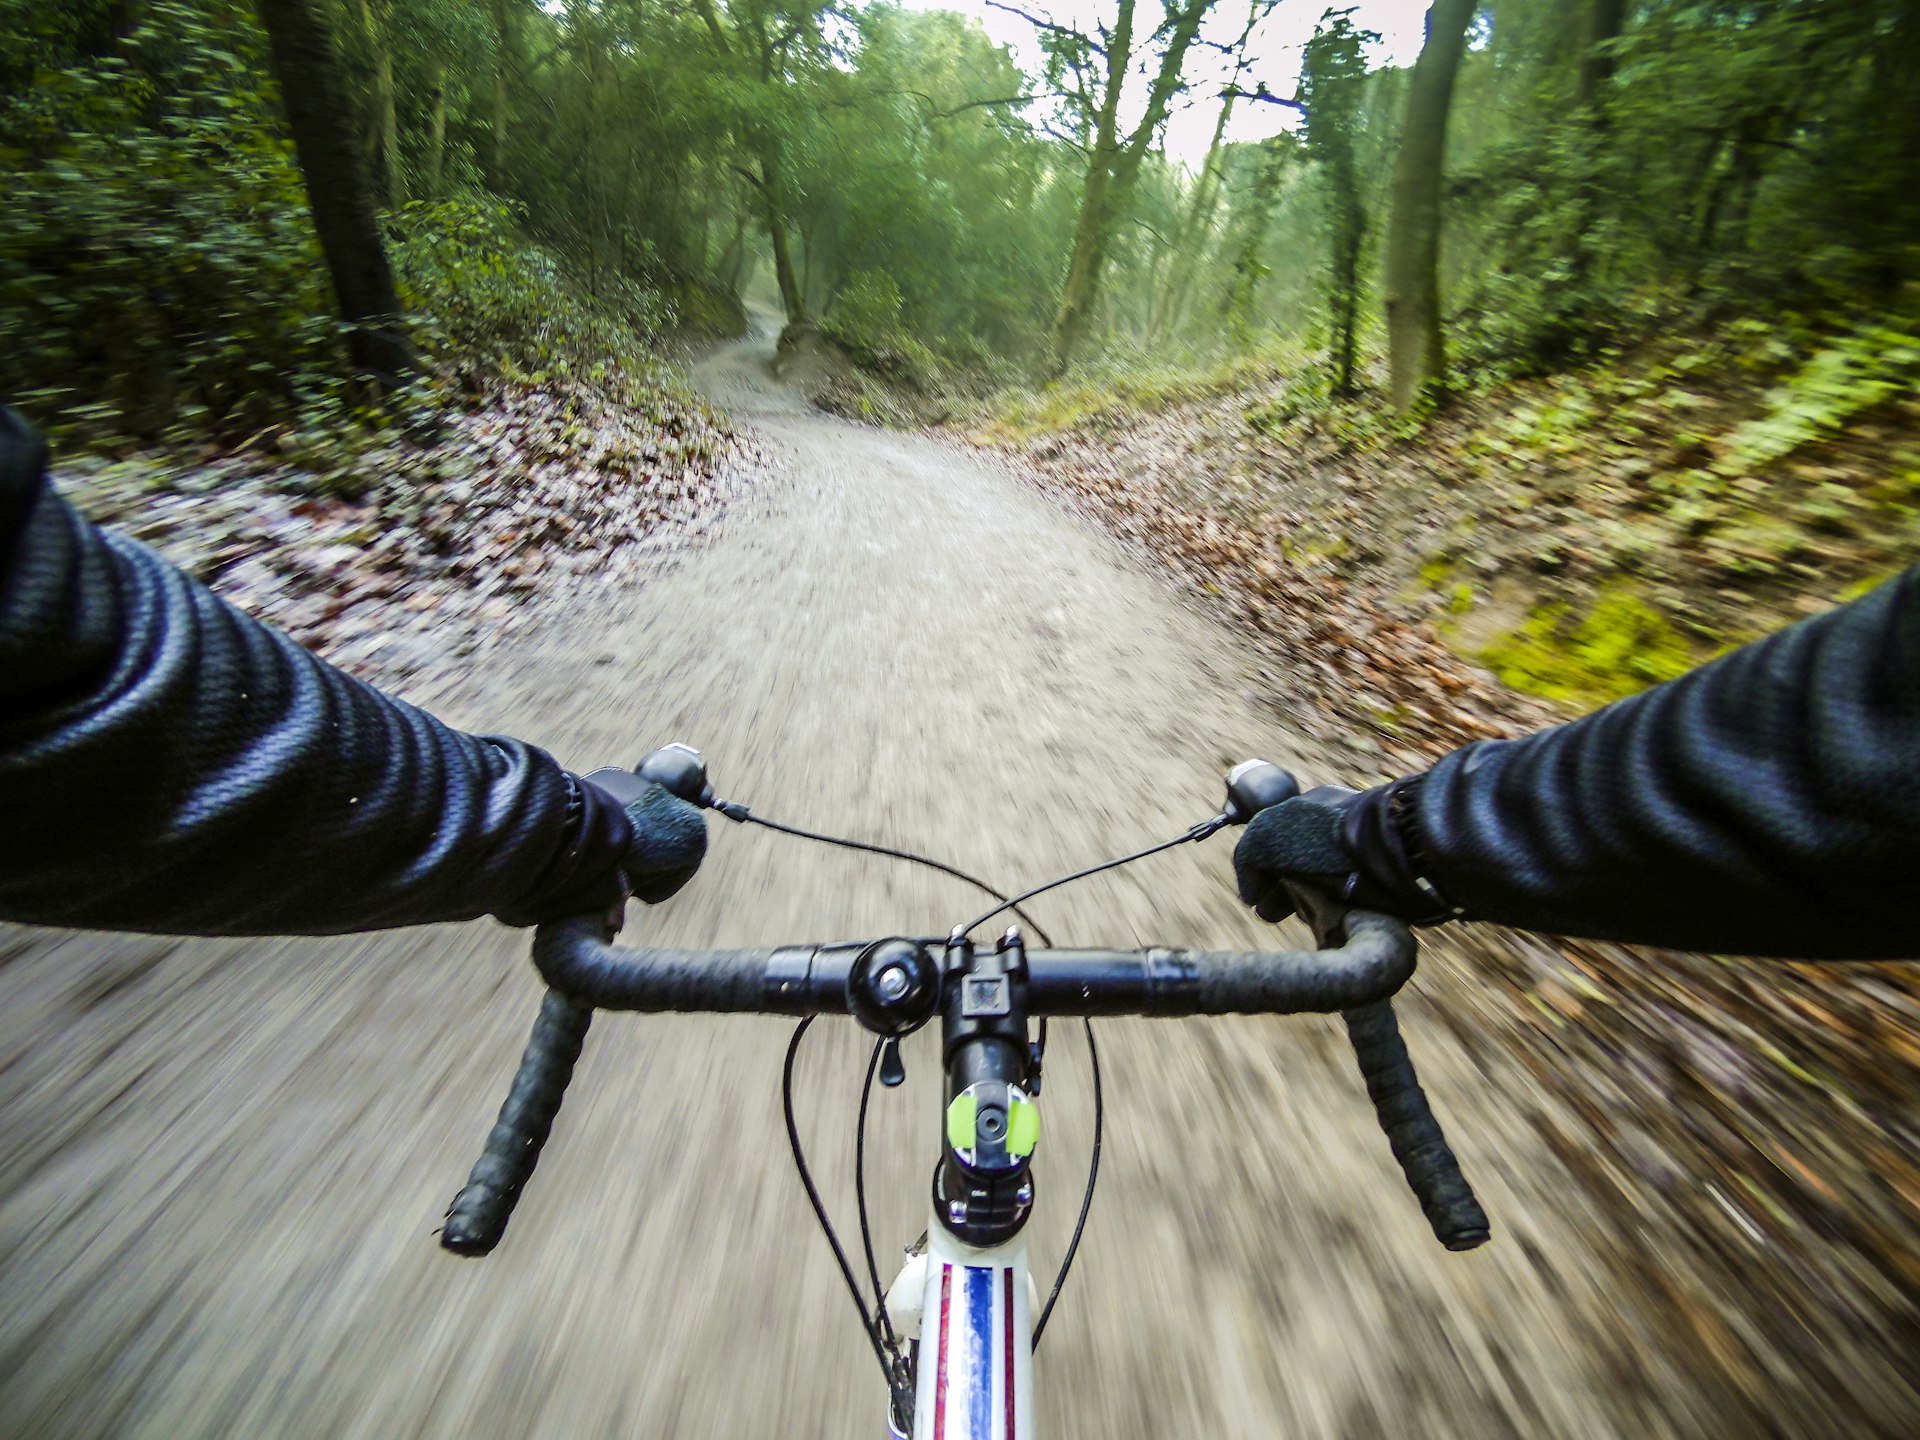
pixel 381 551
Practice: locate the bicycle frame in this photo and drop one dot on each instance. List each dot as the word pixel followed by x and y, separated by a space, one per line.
pixel 974 1377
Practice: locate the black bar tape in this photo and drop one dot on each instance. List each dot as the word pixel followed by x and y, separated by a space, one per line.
pixel 574 957
pixel 478 1216
pixel 1376 960
pixel 1456 1217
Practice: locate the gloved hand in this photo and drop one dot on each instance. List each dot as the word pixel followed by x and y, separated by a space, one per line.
pixel 1347 845
pixel 669 842
pixel 648 848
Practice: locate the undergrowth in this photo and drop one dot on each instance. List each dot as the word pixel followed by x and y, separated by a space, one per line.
pixel 1115 386
pixel 1635 515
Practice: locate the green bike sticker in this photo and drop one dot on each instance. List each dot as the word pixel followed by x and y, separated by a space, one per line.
pixel 961 1115
pixel 1023 1127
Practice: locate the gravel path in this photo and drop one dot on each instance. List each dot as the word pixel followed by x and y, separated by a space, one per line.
pixel 224 1161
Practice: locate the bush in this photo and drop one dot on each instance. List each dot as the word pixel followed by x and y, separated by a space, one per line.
pixel 866 313
pixel 156 258
pixel 480 294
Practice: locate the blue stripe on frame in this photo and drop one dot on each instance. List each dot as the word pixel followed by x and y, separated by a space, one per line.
pixel 981 1348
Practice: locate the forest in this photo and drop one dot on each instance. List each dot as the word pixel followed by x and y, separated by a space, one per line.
pixel 1545 183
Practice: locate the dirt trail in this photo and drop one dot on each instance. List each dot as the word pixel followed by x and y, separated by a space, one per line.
pixel 225 1161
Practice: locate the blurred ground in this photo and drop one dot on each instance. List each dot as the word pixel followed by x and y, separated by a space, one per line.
pixel 225 1160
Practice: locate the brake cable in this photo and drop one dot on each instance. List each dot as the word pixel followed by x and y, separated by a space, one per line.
pixel 740 814
pixel 1198 832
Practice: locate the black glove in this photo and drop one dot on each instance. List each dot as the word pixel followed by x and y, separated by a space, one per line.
pixel 1346 845
pixel 648 849
pixel 669 842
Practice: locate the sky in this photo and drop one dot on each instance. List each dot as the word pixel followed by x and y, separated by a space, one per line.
pixel 1275 52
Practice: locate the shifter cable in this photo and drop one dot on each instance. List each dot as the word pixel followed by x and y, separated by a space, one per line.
pixel 1198 832
pixel 740 814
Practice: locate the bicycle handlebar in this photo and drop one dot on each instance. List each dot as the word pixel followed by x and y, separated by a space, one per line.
pixel 1356 978
pixel 1376 961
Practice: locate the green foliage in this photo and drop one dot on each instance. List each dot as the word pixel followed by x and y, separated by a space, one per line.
pixel 866 322
pixel 156 262
pixel 1119 389
pixel 156 259
pixel 1857 371
pixel 1729 156
pixel 1333 89
pixel 867 309
pixel 480 293
pixel 914 167
pixel 1620 646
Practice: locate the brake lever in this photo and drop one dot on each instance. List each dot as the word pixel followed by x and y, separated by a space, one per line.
pixel 1325 916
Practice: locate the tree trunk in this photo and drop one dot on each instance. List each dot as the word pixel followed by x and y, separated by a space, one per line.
pixel 395 185
pixel 1185 263
pixel 112 24
pixel 1417 357
pixel 1078 296
pixel 339 190
pixel 1600 24
pixel 733 258
pixel 1236 305
pixel 436 126
pixel 1602 21
pixel 1090 228
pixel 1115 167
pixel 1346 290
pixel 791 298
pixel 506 39
pixel 383 140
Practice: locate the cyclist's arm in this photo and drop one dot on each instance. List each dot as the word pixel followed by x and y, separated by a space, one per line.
pixel 1767 803
pixel 168 763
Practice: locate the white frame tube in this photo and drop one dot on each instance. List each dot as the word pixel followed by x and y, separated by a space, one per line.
pixel 975 1375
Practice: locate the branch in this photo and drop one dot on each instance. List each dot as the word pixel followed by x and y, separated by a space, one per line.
pixel 1053 132
pixel 1002 100
pixel 1263 94
pixel 930 113
pixel 792 33
pixel 1151 229
pixel 1042 23
pixel 714 27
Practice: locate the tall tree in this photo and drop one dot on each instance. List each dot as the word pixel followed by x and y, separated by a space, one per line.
pixel 1189 245
pixel 769 44
pixel 1600 23
pixel 1092 71
pixel 1416 348
pixel 506 57
pixel 339 189
pixel 1250 236
pixel 1333 94
pixel 436 126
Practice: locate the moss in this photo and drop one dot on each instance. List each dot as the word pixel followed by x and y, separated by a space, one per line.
pixel 1865 584
pixel 1021 413
pixel 1620 646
